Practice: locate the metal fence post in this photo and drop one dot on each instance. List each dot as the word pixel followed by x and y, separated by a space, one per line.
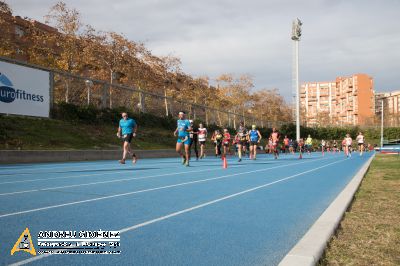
pixel 142 102
pixel 104 96
pixel 51 91
pixel 171 106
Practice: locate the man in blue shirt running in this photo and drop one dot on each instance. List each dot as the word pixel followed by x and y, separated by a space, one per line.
pixel 182 130
pixel 127 130
pixel 255 137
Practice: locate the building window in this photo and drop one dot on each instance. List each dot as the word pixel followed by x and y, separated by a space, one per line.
pixel 19 31
pixel 19 51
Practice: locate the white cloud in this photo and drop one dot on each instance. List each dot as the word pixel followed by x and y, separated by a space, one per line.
pixel 253 37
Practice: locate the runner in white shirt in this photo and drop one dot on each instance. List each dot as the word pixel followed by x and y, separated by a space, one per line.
pixel 360 140
pixel 202 134
pixel 348 143
pixel 323 145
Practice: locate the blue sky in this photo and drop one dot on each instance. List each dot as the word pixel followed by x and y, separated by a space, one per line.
pixel 340 38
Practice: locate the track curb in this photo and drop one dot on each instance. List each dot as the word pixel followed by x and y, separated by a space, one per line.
pixel 311 246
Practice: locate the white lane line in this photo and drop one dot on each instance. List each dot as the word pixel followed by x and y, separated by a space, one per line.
pixel 144 190
pixel 24 171
pixel 74 176
pixel 24 168
pixel 85 175
pixel 17 172
pixel 63 177
pixel 60 171
pixel 130 228
pixel 109 181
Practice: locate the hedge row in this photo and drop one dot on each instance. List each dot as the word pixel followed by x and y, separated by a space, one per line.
pixel 338 133
pixel 92 115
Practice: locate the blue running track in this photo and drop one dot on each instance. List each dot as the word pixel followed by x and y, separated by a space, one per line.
pixel 252 213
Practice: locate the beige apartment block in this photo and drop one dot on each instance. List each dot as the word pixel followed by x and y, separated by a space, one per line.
pixel 345 101
pixel 391 105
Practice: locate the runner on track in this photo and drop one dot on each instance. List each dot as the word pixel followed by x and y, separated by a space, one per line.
pixel 323 146
pixel 202 136
pixel 255 138
pixel 348 141
pixel 217 140
pixel 308 144
pixel 226 142
pixel 193 135
pixel 127 130
pixel 241 134
pixel 275 141
pixel 182 131
pixel 360 141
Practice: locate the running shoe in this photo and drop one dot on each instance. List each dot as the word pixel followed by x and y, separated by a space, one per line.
pixel 122 161
pixel 240 159
pixel 134 158
pixel 187 163
pixel 183 159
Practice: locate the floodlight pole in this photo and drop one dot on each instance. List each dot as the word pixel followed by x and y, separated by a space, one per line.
pixel 296 33
pixel 296 43
pixel 382 123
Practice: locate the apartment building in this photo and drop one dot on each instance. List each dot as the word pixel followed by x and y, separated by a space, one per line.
pixel 391 105
pixel 15 32
pixel 345 101
pixel 318 102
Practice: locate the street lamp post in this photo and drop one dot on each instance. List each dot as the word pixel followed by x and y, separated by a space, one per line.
pixel 296 34
pixel 89 84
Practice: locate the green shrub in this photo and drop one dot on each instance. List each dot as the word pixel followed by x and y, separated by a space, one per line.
pixel 92 115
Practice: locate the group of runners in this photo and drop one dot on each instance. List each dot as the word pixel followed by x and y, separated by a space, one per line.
pixel 243 142
pixel 189 136
pixel 346 145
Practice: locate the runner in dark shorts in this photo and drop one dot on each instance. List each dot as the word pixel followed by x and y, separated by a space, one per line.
pixel 335 149
pixel 226 142
pixel 241 134
pixel 127 130
pixel 182 132
pixel 255 137
pixel 286 144
pixel 217 140
pixel 193 141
